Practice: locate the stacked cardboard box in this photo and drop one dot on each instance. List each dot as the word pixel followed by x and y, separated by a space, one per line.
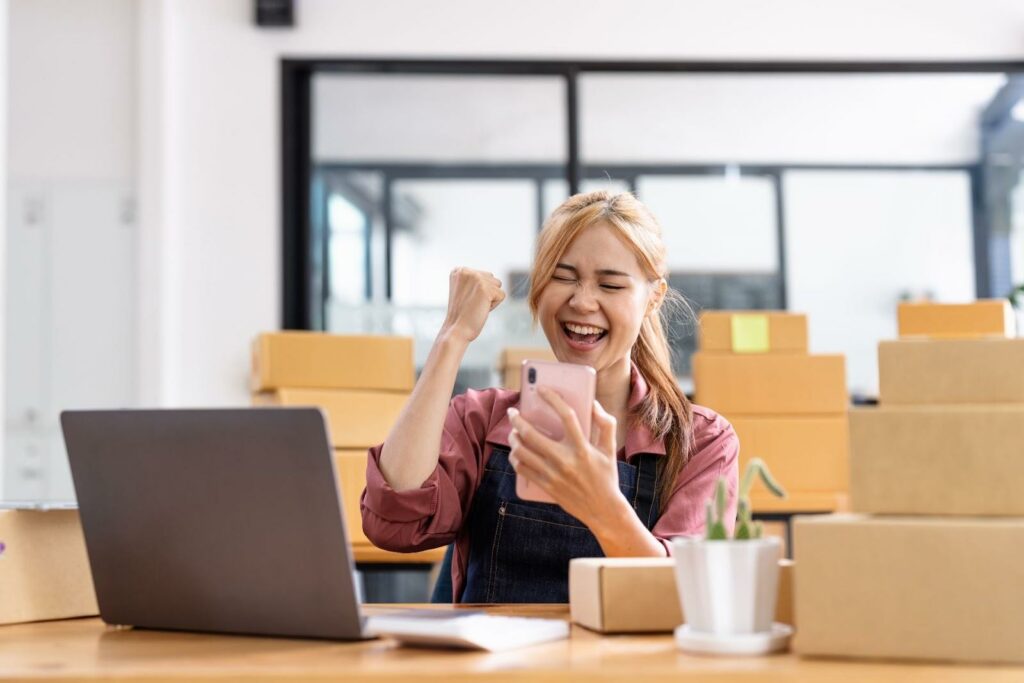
pixel 361 383
pixel 510 363
pixel 787 406
pixel 984 318
pixel 929 568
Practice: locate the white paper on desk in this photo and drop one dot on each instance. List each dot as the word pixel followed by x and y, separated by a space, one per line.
pixel 41 505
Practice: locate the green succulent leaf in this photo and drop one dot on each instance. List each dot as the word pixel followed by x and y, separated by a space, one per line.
pixel 709 518
pixel 720 499
pixel 743 512
pixel 757 467
pixel 1016 296
pixel 717 532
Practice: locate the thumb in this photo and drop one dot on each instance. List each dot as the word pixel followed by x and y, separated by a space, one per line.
pixel 602 432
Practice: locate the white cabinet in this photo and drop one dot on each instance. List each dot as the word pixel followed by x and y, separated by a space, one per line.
pixel 71 312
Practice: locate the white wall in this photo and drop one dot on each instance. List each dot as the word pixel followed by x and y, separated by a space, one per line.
pixel 72 90
pixel 220 105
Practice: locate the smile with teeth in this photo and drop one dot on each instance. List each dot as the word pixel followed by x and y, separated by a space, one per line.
pixel 583 335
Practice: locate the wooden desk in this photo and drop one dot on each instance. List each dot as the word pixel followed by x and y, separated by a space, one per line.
pixel 85 649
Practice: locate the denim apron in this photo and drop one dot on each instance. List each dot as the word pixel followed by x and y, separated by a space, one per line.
pixel 519 551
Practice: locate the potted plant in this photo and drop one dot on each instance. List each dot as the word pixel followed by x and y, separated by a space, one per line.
pixel 1016 297
pixel 728 587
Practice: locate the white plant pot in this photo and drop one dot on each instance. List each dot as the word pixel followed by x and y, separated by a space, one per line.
pixel 727 587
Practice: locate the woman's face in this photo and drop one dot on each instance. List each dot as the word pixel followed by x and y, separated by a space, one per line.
pixel 592 308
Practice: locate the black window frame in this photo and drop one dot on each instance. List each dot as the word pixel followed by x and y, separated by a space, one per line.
pixel 296 73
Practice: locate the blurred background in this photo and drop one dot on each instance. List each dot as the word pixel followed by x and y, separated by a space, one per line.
pixel 179 178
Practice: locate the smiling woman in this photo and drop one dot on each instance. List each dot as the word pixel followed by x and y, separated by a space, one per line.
pixel 447 471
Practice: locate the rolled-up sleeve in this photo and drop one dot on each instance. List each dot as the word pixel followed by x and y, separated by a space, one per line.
pixel 716 454
pixel 432 515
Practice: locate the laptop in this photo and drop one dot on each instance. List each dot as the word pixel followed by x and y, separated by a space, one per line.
pixel 230 521
pixel 217 520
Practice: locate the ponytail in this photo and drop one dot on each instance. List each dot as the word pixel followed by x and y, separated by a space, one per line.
pixel 665 411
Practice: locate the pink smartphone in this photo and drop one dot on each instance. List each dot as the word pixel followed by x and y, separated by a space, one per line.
pixel 575 384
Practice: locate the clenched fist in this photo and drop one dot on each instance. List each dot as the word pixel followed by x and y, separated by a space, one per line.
pixel 472 295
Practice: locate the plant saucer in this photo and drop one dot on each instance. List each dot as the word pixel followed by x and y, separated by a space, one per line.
pixel 763 643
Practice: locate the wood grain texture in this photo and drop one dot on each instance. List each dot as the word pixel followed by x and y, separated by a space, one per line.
pixel 86 650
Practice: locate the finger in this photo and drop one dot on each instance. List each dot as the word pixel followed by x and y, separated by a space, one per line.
pixel 573 431
pixel 522 457
pixel 604 433
pixel 497 299
pixel 533 438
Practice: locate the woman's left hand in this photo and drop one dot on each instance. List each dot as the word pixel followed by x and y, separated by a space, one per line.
pixel 580 473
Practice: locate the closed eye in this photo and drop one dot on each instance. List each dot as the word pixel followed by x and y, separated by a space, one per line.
pixel 603 286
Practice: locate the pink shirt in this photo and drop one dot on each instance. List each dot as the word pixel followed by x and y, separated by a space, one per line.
pixel 433 515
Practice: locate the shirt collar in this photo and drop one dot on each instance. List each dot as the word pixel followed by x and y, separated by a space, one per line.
pixel 638 438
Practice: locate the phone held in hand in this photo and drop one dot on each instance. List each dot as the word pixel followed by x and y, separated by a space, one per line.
pixel 576 385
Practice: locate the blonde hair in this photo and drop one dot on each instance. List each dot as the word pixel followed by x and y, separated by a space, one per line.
pixel 665 411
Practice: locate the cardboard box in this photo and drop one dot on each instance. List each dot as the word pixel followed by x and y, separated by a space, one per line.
pixel 784 607
pixel 944 371
pixel 511 360
pixel 356 419
pixel 804 453
pixel 984 318
pixel 910 587
pixel 313 360
pixel 513 356
pixel 799 501
pixel 639 594
pixel 753 332
pixel 351 470
pixel 770 384
pixel 44 569
pixel 624 594
pixel 938 460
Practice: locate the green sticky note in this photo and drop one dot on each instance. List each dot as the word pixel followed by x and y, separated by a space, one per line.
pixel 750 333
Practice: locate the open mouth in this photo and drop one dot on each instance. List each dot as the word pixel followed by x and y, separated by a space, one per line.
pixel 583 336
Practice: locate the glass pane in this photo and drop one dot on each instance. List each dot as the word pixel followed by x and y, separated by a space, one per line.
pixel 438 118
pixel 860 241
pixel 483 224
pixel 487 225
pixel 782 119
pixel 715 223
pixel 348 250
pixel 1017 238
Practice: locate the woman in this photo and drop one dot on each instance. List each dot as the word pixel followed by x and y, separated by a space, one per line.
pixel 446 471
